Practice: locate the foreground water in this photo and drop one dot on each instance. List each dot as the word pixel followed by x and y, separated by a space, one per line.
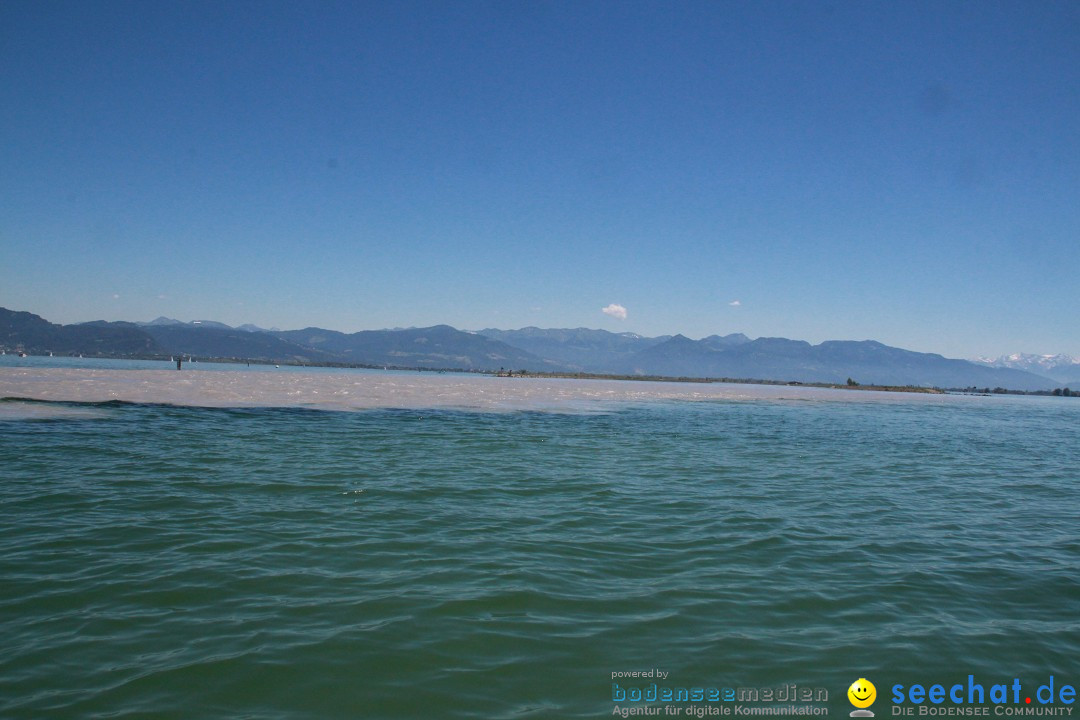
pixel 501 552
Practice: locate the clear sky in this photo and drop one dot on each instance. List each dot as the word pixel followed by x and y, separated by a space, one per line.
pixel 901 171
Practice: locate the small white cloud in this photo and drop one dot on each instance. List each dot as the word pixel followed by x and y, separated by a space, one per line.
pixel 162 297
pixel 115 296
pixel 615 311
pixel 735 303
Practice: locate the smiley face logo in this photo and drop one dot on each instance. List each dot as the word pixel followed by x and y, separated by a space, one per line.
pixel 862 694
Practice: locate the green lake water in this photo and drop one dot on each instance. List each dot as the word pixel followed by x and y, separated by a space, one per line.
pixel 282 562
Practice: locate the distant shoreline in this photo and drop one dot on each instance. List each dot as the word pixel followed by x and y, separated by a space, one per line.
pixel 540 375
pixel 732 381
pixel 851 385
pixel 562 353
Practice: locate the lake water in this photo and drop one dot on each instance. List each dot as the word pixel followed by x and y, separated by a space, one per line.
pixel 238 544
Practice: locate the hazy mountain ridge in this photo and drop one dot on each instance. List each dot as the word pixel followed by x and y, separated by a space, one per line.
pixel 719 342
pixel 213 341
pixel 34 334
pixel 867 362
pixel 440 346
pixel 578 348
pixel 535 349
pixel 162 320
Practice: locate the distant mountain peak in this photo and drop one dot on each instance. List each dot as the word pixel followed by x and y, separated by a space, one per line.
pixel 719 342
pixel 161 320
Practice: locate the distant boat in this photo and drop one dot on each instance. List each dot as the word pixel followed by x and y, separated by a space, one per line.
pixel 22 354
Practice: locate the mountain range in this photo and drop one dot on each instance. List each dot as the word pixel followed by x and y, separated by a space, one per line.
pixel 733 356
pixel 1062 368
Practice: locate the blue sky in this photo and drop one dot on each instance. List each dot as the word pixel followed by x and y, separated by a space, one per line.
pixel 906 172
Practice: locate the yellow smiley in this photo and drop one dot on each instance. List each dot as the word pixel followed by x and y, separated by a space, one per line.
pixel 862 693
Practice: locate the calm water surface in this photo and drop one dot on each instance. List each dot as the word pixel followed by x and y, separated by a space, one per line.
pixel 286 562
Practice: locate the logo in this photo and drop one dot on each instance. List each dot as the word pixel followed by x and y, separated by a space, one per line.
pixel 862 694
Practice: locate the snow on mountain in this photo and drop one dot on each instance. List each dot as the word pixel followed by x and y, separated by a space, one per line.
pixel 1031 363
pixel 1059 367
